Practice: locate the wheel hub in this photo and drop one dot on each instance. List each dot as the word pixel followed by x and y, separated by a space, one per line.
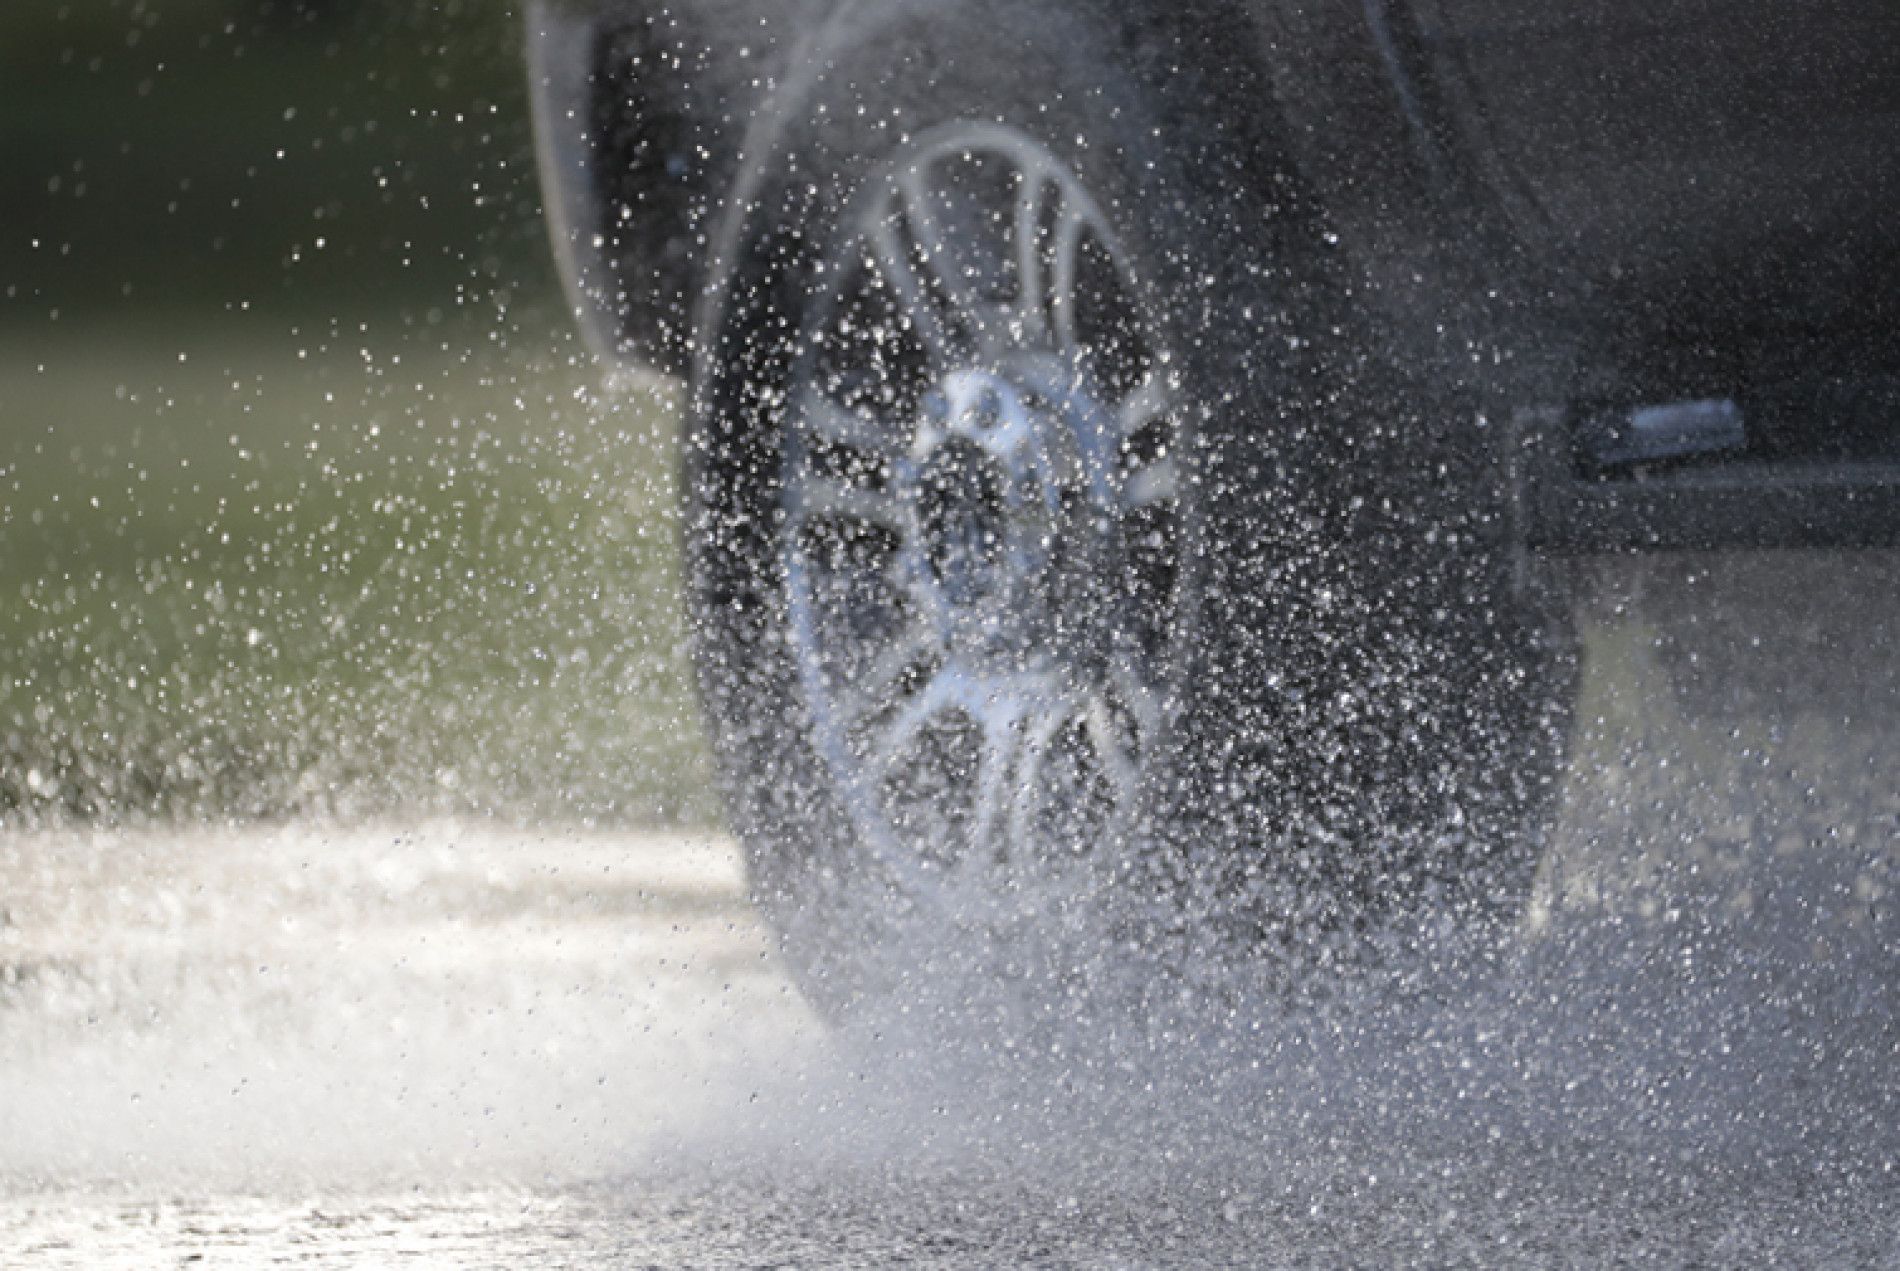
pixel 1017 529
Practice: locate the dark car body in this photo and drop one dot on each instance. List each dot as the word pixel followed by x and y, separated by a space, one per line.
pixel 1686 208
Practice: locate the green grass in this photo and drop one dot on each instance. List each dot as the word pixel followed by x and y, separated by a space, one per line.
pixel 306 498
pixel 185 156
pixel 365 572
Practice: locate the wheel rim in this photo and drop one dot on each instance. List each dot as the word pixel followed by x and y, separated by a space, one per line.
pixel 982 535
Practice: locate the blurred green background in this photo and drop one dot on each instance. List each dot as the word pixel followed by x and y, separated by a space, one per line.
pixel 310 498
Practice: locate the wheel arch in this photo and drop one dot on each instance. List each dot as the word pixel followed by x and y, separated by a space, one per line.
pixel 640 111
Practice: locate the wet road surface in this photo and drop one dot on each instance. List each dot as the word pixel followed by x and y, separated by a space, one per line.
pixel 464 1045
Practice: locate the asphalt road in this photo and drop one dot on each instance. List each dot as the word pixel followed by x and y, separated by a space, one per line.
pixel 463 1045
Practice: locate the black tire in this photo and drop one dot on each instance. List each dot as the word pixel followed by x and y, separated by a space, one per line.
pixel 1367 709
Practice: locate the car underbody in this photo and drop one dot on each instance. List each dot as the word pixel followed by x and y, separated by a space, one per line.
pixel 1693 224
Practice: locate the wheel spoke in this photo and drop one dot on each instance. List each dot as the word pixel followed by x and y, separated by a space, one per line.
pixel 897 736
pixel 1158 482
pixel 1112 750
pixel 928 274
pixel 1141 701
pixel 940 258
pixel 1065 248
pixel 815 496
pixel 1048 725
pixel 893 261
pixel 1152 399
pixel 843 426
pixel 873 690
pixel 1032 301
pixel 1002 744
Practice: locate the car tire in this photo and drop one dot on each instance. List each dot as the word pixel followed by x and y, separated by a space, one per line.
pixel 1306 701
